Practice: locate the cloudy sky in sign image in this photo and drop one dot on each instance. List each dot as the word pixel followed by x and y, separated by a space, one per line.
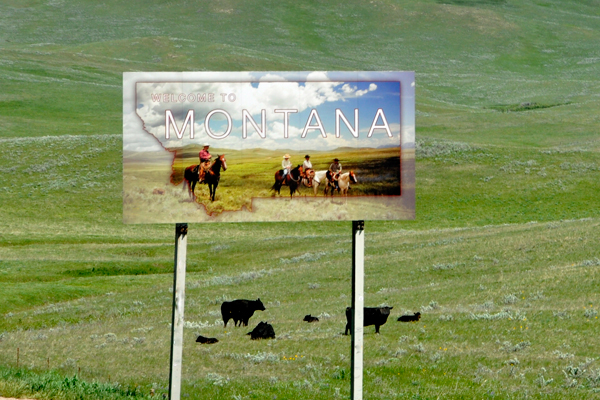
pixel 322 96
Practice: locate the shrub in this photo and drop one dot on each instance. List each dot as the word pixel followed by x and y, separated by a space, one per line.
pixel 509 299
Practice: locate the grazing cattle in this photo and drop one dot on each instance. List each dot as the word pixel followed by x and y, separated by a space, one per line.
pixel 410 318
pixel 262 331
pixel 372 316
pixel 240 310
pixel 206 340
pixel 310 318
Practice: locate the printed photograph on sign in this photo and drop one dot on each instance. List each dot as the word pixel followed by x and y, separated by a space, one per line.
pixel 268 146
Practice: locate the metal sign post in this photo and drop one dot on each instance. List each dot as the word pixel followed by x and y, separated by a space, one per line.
pixel 358 301
pixel 177 320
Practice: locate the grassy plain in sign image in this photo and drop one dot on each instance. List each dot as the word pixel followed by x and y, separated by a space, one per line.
pixel 251 176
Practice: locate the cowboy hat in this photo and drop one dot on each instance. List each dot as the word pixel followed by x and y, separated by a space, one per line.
pixel 286 156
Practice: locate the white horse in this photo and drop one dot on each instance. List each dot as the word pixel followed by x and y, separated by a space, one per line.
pixel 320 178
pixel 343 182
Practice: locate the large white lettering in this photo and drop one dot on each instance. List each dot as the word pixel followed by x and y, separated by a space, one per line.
pixel 170 120
pixel 339 115
pixel 262 131
pixel 209 132
pixel 313 122
pixel 286 120
pixel 384 126
pixel 314 114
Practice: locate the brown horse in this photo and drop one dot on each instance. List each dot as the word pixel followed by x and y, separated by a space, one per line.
pixel 308 177
pixel 343 182
pixel 212 177
pixel 292 179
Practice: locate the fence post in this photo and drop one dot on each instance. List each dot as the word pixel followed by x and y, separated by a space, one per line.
pixel 358 302
pixel 177 319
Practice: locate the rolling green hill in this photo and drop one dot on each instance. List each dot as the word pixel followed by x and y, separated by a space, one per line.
pixel 502 259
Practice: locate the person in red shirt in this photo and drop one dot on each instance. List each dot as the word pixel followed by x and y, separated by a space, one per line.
pixel 204 162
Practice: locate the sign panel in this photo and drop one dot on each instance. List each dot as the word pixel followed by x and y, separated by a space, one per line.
pixel 281 146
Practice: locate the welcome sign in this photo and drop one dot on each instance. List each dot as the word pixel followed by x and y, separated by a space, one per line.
pixel 267 146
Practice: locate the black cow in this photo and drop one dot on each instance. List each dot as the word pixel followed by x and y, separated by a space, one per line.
pixel 310 318
pixel 240 310
pixel 206 340
pixel 410 318
pixel 372 316
pixel 262 331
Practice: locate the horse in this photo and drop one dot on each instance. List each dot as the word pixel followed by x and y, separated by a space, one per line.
pixel 319 179
pixel 292 179
pixel 307 178
pixel 212 177
pixel 343 182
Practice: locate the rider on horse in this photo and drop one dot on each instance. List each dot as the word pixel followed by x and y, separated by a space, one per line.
pixel 309 173
pixel 334 173
pixel 287 166
pixel 204 162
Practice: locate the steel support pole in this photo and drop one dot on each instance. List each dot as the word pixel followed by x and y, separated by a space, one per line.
pixel 177 319
pixel 358 302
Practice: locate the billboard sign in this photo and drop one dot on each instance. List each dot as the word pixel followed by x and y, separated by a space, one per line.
pixel 268 146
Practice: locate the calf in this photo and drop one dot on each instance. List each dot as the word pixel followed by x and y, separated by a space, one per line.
pixel 410 318
pixel 240 310
pixel 372 316
pixel 310 318
pixel 206 340
pixel 262 331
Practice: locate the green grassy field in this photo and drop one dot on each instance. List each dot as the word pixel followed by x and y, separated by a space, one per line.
pixel 502 259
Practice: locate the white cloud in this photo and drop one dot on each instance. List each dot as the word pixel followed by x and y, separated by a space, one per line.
pixel 263 95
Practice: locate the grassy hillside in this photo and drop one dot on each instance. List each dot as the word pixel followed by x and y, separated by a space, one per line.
pixel 502 259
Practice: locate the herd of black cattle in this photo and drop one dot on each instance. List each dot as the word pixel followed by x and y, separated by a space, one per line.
pixel 240 311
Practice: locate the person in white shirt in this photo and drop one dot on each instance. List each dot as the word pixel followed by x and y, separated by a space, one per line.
pixel 287 165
